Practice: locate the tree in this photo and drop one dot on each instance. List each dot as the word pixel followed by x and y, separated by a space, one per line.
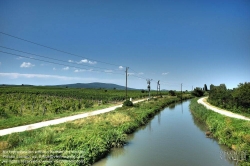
pixel 198 92
pixel 172 93
pixel 205 87
pixel 242 95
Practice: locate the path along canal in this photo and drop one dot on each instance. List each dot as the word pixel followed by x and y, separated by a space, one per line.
pixel 173 137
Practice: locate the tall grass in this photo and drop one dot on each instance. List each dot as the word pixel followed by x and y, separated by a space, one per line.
pixel 234 133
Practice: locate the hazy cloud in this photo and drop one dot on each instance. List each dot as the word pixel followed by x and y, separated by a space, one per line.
pixel 19 58
pixel 66 68
pixel 70 61
pixel 92 62
pixel 108 71
pixel 26 64
pixel 79 70
pixel 165 73
pixel 44 76
pixel 141 73
pixel 121 67
pixel 54 68
pixel 82 70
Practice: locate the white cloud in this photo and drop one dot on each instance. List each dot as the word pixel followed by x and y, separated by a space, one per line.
pixel 120 67
pixel 66 68
pixel 141 73
pixel 70 61
pixel 131 74
pixel 165 73
pixel 26 64
pixel 86 61
pixel 83 61
pixel 54 68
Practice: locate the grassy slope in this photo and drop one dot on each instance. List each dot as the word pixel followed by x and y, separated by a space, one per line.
pixel 232 132
pixel 87 139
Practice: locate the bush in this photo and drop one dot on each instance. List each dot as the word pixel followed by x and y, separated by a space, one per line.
pixel 198 92
pixel 172 93
pixel 127 103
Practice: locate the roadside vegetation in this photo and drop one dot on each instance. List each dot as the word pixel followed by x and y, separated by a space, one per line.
pixel 231 132
pixel 84 141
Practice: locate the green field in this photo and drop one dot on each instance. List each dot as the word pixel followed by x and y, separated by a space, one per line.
pixel 22 105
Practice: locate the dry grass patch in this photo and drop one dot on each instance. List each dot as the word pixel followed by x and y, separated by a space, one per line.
pixel 117 119
pixel 3 145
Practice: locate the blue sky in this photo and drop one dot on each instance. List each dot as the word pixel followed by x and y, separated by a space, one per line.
pixel 189 42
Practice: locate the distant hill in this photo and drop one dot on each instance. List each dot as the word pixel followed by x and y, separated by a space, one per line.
pixel 95 85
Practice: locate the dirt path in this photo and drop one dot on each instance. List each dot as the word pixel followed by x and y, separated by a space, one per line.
pixel 204 102
pixel 58 121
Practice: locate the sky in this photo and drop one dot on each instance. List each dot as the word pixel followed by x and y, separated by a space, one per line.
pixel 195 42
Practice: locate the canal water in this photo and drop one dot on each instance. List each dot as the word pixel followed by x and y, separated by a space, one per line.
pixel 173 138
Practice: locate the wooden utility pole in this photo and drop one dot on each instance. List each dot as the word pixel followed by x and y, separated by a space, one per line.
pixel 127 82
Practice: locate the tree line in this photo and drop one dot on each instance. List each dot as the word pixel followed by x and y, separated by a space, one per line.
pixel 236 100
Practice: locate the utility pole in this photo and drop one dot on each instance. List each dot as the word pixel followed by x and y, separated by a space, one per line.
pixel 127 82
pixel 158 87
pixel 148 81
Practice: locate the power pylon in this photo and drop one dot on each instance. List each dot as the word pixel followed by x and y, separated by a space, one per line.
pixel 148 82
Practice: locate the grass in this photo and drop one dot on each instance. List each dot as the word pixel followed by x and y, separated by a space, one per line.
pixel 234 133
pixel 84 141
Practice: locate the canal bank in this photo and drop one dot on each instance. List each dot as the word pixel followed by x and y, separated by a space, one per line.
pixel 234 133
pixel 173 137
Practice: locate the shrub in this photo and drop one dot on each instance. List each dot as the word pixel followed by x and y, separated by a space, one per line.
pixel 127 103
pixel 13 140
pixel 172 93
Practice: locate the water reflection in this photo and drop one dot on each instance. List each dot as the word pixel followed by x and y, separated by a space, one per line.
pixel 171 106
pixel 173 137
pixel 159 118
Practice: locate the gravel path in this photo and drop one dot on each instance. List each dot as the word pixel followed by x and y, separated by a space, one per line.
pixel 204 102
pixel 58 121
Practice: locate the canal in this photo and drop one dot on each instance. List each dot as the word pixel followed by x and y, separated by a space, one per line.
pixel 173 137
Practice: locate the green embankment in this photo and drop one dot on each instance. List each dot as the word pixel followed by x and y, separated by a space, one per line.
pixel 82 142
pixel 232 132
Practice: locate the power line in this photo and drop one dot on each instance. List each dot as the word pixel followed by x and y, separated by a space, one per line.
pixel 56 49
pixel 51 58
pixel 58 63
